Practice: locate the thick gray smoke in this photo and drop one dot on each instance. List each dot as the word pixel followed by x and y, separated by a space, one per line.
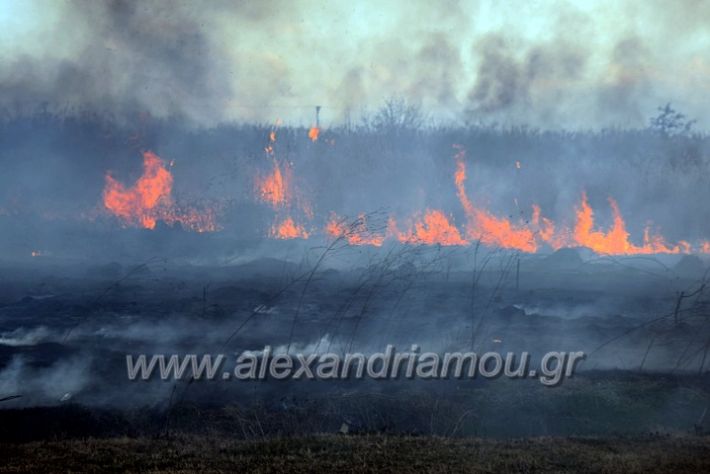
pixel 547 65
pixel 129 58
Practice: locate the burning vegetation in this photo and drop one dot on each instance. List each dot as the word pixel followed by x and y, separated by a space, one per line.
pixel 313 133
pixel 437 227
pixel 150 200
pixel 276 189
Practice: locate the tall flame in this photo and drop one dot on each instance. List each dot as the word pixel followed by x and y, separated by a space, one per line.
pixel 139 203
pixel 491 230
pixel 274 187
pixel 616 240
pixel 150 200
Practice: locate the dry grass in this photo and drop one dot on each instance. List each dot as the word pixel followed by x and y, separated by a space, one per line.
pixel 362 454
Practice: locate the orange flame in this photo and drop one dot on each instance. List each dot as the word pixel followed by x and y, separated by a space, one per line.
pixel 288 229
pixel 434 228
pixel 356 233
pixel 491 230
pixel 274 187
pixel 150 200
pixel 616 240
pixel 313 134
pixel 138 204
pixel 546 229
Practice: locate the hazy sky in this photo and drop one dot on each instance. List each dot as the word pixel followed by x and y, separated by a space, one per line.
pixel 542 63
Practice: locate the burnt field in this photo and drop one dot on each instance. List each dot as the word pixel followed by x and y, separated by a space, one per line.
pixel 461 239
pixel 642 323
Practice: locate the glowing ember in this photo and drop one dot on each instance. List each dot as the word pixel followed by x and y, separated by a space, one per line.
pixel 149 200
pixel 313 134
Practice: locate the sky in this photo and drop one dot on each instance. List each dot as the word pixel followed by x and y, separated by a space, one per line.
pixel 546 64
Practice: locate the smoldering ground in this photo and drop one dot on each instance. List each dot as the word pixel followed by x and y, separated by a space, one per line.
pixel 64 340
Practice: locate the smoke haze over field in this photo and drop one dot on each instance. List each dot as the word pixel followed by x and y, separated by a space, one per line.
pixel 220 96
pixel 548 64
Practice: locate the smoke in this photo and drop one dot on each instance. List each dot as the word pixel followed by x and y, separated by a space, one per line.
pixel 550 65
pixel 57 382
pixel 23 336
pixel 628 81
pixel 126 57
pixel 509 81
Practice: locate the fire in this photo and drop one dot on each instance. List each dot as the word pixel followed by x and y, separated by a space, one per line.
pixel 491 230
pixel 356 233
pixel 139 203
pixel 150 200
pixel 36 253
pixel 288 229
pixel 274 187
pixel 546 229
pixel 277 190
pixel 433 228
pixel 616 240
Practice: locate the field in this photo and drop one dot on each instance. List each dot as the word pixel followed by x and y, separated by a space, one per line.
pixel 376 453
pixel 80 290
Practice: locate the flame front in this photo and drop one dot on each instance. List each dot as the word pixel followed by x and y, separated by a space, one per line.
pixel 149 200
pixel 435 227
pixel 616 240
